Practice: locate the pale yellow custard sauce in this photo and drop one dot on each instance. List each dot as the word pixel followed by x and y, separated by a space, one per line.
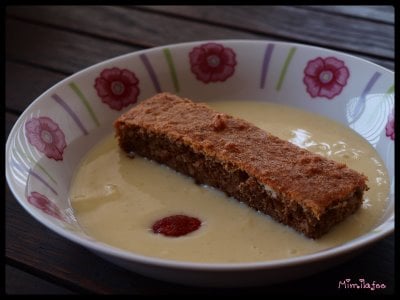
pixel 116 199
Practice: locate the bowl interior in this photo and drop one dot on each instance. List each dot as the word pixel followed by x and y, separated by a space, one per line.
pixel 57 129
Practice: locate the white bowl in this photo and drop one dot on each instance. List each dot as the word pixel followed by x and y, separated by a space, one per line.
pixel 57 129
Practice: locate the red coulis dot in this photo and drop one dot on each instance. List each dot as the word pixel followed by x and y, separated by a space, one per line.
pixel 176 225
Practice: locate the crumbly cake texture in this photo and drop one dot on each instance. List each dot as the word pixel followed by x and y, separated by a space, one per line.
pixel 294 186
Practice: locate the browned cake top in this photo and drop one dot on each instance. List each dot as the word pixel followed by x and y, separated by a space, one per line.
pixel 314 182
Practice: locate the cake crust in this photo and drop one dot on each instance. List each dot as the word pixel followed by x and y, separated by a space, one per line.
pixel 296 187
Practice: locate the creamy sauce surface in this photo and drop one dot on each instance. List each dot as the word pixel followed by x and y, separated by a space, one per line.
pixel 117 199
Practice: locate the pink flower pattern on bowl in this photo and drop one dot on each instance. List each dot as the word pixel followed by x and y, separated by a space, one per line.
pixel 46 136
pixel 44 204
pixel 325 77
pixel 117 88
pixel 212 62
pixel 390 126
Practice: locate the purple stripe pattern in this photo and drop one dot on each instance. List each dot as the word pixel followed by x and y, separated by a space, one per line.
pixel 151 72
pixel 34 174
pixel 264 70
pixel 70 112
pixel 361 102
